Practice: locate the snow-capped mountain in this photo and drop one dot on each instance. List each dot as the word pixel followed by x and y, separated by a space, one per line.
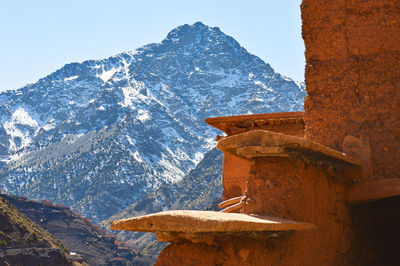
pixel 102 134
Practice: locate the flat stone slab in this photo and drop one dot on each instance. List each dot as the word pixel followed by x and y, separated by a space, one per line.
pixel 232 124
pixel 198 222
pixel 262 143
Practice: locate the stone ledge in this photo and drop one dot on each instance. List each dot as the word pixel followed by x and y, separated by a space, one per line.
pixel 195 222
pixel 232 125
pixel 375 190
pixel 262 143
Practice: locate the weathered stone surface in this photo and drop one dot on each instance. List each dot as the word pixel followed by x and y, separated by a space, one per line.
pixel 235 172
pixel 235 168
pixel 352 80
pixel 257 151
pixel 291 123
pixel 262 143
pixel 206 222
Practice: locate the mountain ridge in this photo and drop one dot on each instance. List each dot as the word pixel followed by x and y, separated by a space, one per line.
pixel 132 122
pixel 76 233
pixel 22 241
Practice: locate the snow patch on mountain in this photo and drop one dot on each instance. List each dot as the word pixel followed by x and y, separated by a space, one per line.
pixel 172 173
pixel 21 128
pixel 71 78
pixel 106 75
pixel 143 115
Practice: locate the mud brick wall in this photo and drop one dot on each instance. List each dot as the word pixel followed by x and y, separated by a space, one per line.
pixel 292 188
pixel 353 80
pixel 302 189
pixel 235 170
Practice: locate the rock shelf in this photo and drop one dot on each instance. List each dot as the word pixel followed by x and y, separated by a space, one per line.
pixel 262 143
pixel 187 221
pixel 291 123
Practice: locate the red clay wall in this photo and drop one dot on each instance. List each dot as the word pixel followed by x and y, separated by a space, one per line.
pixel 288 129
pixel 353 79
pixel 235 170
pixel 296 189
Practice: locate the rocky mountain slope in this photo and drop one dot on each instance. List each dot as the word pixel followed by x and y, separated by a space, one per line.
pixel 102 134
pixel 22 242
pixel 77 233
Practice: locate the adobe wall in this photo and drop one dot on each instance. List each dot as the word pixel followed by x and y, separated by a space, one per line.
pixel 288 129
pixel 235 170
pixel 353 80
pixel 297 189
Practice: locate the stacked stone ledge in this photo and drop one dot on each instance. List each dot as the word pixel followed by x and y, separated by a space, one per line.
pixel 280 174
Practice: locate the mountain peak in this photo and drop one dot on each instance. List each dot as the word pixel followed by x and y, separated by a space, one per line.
pixel 196 33
pixel 199 24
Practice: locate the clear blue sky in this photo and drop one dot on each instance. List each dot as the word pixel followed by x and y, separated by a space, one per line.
pixel 38 37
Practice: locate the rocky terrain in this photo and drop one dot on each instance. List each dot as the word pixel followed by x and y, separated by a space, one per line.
pixel 22 242
pixel 101 135
pixel 78 235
